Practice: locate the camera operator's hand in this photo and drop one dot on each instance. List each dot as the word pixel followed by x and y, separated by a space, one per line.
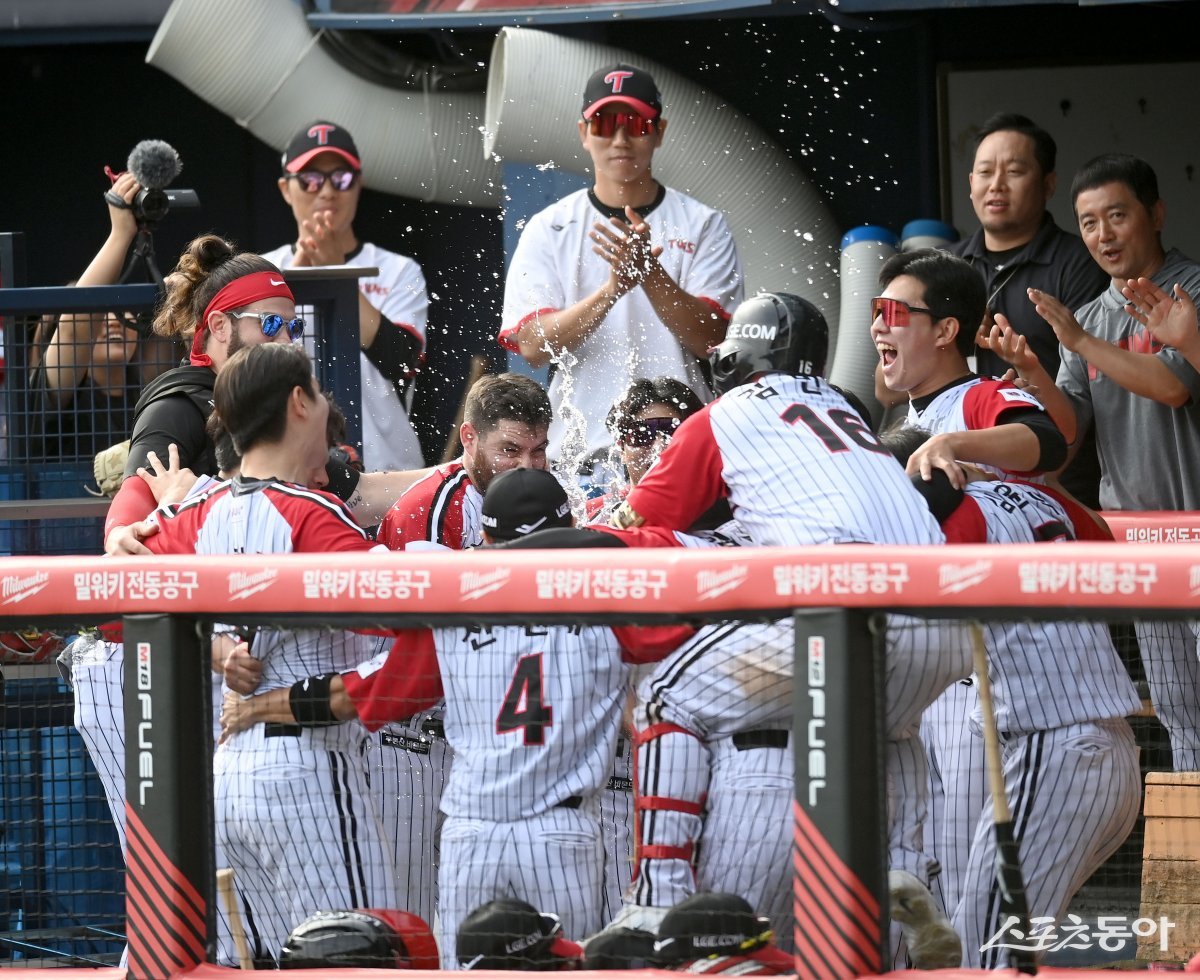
pixel 124 224
pixel 318 243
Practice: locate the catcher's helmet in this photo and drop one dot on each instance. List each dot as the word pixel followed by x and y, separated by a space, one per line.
pixel 380 938
pixel 770 332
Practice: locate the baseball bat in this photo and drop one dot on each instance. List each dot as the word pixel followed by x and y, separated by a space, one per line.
pixel 229 900
pixel 1008 861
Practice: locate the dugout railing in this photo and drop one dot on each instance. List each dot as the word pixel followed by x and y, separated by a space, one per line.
pixel 168 603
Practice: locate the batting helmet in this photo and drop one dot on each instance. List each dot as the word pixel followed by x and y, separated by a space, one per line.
pixel 716 924
pixel 509 934
pixel 381 938
pixel 770 332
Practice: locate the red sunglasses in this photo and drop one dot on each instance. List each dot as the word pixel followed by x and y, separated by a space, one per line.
pixel 605 124
pixel 895 312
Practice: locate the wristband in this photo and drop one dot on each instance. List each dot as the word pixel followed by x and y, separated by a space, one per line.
pixel 117 201
pixel 309 700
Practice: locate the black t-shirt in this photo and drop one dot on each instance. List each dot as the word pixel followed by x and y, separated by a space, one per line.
pixel 173 408
pixel 92 421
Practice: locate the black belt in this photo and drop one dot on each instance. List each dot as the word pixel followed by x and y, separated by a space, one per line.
pixel 762 738
pixel 434 728
pixel 571 803
pixel 275 730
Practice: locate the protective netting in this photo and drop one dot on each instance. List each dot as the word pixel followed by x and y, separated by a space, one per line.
pixel 523 741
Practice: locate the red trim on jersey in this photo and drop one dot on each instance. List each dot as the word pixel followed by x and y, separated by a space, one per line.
pixel 667 852
pixel 966 525
pixel 132 503
pixel 649 644
pixel 1089 526
pixel 430 510
pixel 408 681
pixel 686 479
pixel 717 308
pixel 505 337
pixel 318 521
pixel 983 406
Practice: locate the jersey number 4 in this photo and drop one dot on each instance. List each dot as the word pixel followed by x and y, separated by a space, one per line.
pixel 524 705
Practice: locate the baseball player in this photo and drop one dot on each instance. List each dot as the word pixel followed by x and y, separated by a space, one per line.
pixel 800 467
pixel 533 714
pixel 505 421
pixel 1070 760
pixel 321 847
pixel 924 325
pixel 623 280
pixel 321 183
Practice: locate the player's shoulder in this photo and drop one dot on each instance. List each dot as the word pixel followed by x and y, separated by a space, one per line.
pixel 573 212
pixel 999 392
pixel 293 497
pixel 446 480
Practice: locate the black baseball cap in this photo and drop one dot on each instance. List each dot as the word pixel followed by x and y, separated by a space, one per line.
pixel 510 934
pixel 320 137
pixel 521 501
pixel 622 83
pixel 716 924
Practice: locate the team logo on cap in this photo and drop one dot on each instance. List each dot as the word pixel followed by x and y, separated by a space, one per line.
pixel 320 132
pixel 616 79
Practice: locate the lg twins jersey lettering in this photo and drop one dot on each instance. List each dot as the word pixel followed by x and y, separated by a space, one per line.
pixel 798 464
pixel 1044 674
pixel 444 508
pixel 270 517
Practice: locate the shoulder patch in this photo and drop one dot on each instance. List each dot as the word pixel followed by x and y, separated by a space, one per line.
pixel 1019 395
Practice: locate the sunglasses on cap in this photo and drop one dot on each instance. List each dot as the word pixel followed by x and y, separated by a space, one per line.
pixel 312 181
pixel 644 433
pixel 272 322
pixel 605 124
pixel 895 312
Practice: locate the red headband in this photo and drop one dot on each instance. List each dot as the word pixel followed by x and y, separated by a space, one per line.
pixel 241 292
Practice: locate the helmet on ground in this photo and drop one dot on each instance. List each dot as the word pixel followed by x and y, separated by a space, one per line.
pixel 379 938
pixel 509 934
pixel 770 332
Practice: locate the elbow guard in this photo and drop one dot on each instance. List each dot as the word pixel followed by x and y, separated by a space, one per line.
pixel 309 700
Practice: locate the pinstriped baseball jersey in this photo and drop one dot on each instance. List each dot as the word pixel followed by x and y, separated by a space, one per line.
pixel 532 712
pixel 1044 675
pixel 444 508
pixel 971 403
pixel 798 465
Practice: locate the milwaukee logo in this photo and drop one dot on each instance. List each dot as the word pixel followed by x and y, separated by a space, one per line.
pixel 475 585
pixel 242 585
pixel 956 578
pixel 15 588
pixel 710 584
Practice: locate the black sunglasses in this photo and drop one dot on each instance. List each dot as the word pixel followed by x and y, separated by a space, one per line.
pixel 644 433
